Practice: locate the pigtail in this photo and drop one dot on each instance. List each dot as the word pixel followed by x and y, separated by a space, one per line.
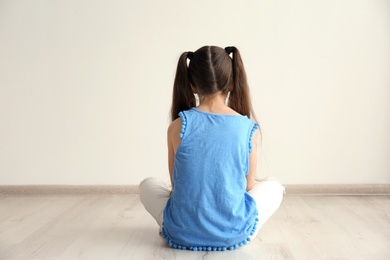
pixel 182 98
pixel 239 98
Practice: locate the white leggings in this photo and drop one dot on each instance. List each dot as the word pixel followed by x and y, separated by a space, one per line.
pixel 268 194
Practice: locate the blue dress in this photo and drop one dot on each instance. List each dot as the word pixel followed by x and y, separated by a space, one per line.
pixel 209 208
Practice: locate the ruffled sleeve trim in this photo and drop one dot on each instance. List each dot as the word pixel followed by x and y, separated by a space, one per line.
pixel 254 128
pixel 209 248
pixel 183 124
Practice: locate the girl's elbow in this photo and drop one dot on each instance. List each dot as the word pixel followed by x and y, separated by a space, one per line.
pixel 249 186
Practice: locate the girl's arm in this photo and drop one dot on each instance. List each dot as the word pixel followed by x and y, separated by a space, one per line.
pixel 173 142
pixel 251 176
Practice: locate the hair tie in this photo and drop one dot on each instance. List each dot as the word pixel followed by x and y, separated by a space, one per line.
pixel 229 50
pixel 190 54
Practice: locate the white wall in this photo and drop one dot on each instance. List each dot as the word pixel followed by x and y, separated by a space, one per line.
pixel 85 86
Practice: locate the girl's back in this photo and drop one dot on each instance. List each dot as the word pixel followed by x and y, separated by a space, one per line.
pixel 209 205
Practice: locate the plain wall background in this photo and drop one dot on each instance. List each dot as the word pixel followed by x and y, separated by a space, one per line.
pixel 85 86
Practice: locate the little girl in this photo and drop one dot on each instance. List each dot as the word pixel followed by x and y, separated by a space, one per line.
pixel 214 201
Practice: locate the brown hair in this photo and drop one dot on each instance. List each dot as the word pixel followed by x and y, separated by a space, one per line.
pixel 211 69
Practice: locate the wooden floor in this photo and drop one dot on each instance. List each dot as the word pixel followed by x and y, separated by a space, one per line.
pixel 118 227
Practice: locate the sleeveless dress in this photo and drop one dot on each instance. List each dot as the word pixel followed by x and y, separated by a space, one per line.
pixel 209 208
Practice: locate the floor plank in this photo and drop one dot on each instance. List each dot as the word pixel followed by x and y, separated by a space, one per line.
pixel 31 215
pixel 118 227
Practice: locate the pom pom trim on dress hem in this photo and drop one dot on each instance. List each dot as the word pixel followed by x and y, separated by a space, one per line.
pixel 208 248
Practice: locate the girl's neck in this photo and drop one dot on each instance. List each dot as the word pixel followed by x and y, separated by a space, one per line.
pixel 215 103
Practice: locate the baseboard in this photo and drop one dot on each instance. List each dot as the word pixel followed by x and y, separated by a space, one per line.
pixel 338 189
pixel 52 190
pixel 291 189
